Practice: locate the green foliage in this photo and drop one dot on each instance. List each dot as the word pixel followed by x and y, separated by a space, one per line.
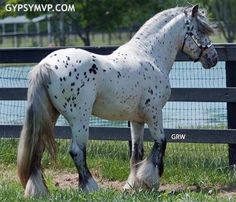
pixel 225 14
pixel 90 15
pixel 108 15
pixel 3 12
pixel 95 15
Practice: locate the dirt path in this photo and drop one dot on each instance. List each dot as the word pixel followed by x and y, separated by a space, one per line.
pixel 65 180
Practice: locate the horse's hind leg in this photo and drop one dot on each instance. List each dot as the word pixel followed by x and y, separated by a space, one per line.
pixel 137 131
pixel 151 169
pixel 80 133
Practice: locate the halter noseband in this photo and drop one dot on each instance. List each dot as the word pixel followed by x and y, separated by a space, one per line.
pixel 194 38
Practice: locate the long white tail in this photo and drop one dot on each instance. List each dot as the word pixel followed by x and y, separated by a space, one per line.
pixel 37 133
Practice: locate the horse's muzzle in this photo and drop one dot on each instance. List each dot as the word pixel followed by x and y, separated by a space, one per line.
pixel 209 58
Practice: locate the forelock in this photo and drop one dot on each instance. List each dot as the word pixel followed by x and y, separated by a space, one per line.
pixel 202 21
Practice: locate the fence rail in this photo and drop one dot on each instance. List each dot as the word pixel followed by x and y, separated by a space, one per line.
pixel 177 94
pixel 123 134
pixel 226 52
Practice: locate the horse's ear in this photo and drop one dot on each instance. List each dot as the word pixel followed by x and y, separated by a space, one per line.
pixel 186 13
pixel 195 11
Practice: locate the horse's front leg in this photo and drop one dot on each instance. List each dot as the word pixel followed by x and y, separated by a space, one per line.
pixel 80 132
pixel 137 131
pixel 151 169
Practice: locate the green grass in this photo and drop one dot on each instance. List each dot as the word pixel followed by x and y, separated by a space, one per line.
pixel 13 193
pixel 202 166
pixel 218 38
pixel 97 39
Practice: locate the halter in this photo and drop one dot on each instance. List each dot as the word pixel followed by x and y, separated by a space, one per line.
pixel 195 40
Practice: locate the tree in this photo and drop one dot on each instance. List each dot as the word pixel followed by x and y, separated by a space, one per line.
pixel 225 14
pixel 90 15
pixel 96 15
pixel 3 12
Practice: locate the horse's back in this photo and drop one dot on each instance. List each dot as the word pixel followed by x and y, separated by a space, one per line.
pixel 65 56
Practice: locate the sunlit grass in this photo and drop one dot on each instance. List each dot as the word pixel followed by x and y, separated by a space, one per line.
pixel 202 165
pixel 97 39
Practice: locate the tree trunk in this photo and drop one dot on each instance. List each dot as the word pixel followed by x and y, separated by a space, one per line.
pixel 62 39
pixel 87 38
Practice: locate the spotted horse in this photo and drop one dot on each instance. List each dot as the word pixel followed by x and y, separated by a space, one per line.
pixel 131 84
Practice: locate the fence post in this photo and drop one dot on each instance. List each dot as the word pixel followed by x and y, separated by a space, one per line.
pixel 231 107
pixel 130 143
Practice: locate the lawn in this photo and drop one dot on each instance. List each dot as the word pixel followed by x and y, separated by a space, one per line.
pixel 193 172
pixel 97 39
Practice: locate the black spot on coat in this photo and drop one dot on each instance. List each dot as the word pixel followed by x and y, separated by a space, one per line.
pixel 93 69
pixel 119 75
pixel 147 101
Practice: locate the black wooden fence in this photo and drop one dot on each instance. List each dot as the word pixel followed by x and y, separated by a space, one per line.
pixel 226 52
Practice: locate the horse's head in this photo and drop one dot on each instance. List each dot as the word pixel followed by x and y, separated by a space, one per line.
pixel 196 42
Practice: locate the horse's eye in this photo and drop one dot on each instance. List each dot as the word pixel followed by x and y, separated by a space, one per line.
pixel 195 38
pixel 187 22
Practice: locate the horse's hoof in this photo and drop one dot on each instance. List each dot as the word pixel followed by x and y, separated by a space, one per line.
pixel 130 183
pixel 128 186
pixel 35 186
pixel 147 175
pixel 90 186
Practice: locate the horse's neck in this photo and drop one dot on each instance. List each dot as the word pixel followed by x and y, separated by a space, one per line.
pixel 162 46
pixel 155 23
